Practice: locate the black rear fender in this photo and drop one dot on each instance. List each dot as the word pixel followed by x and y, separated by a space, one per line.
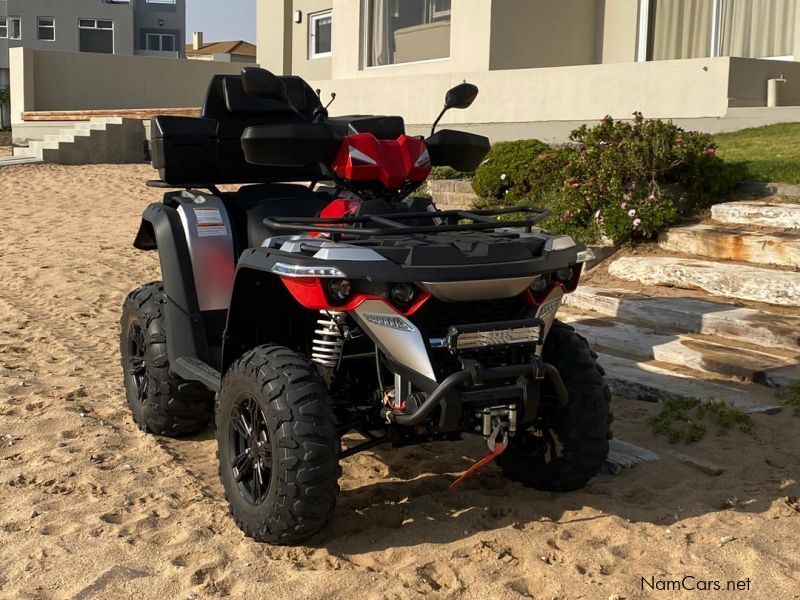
pixel 161 230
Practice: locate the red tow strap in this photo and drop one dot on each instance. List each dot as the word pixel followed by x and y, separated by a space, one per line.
pixel 498 450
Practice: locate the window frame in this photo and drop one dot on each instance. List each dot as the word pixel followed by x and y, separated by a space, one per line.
pixel 11 29
pixel 365 12
pixel 715 49
pixel 4 20
pixel 160 37
pixel 313 19
pixel 39 28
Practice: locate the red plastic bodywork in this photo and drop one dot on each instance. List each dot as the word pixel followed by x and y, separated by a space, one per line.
pixel 308 291
pixel 363 157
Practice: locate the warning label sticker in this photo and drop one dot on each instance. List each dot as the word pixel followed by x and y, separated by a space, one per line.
pixel 209 222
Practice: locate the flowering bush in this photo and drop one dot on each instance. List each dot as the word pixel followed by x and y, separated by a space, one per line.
pixel 627 181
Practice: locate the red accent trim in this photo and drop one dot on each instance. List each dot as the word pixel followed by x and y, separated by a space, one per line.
pixel 310 293
pixel 395 160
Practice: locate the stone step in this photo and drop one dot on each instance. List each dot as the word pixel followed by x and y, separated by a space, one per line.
pixel 43 145
pixel 705 356
pixel 769 213
pixel 60 138
pixel 689 315
pixel 26 152
pixel 654 382
pixel 776 248
pixel 76 132
pixel 107 120
pixel 731 280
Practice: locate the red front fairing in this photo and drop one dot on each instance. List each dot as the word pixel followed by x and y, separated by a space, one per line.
pixel 363 157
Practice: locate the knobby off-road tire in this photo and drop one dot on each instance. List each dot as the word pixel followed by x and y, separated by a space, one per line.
pixel 276 434
pixel 582 427
pixel 161 403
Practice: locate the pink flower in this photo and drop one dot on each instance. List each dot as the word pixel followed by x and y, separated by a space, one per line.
pixel 636 223
pixel 711 150
pixel 631 213
pixel 566 216
pixel 624 205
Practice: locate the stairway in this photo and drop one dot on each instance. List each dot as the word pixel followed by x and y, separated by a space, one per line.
pixel 733 336
pixel 103 140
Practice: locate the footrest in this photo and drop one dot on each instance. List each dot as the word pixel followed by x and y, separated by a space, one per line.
pixel 194 369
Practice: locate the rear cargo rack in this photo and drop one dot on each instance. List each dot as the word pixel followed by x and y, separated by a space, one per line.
pixel 392 223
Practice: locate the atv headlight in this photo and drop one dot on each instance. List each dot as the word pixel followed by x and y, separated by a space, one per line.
pixel 340 289
pixel 403 293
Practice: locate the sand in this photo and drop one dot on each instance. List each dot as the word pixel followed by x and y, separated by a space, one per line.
pixel 90 507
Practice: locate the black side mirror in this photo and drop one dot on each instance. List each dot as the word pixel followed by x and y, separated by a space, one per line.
pixel 260 82
pixel 461 96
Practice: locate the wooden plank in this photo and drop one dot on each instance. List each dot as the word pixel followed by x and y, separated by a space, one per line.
pixel 86 115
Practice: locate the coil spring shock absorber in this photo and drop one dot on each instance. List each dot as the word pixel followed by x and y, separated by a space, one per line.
pixel 326 348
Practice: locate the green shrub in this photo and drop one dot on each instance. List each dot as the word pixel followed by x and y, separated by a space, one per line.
pixel 790 396
pixel 685 419
pixel 504 164
pixel 449 173
pixel 627 181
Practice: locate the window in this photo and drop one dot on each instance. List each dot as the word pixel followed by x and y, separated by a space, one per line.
pixel 675 29
pixel 96 35
pixel 401 31
pixel 319 34
pixel 160 1
pixel 3 28
pixel 15 28
pixel 46 29
pixel 161 42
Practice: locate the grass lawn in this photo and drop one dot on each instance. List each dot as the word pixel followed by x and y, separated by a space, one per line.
pixel 769 153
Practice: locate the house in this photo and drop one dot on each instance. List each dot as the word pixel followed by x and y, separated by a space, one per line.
pixel 146 27
pixel 230 51
pixel 540 60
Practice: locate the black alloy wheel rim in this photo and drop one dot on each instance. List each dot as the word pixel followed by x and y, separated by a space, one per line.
pixel 136 362
pixel 250 449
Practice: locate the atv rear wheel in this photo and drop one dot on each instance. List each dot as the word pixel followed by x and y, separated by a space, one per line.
pixel 161 403
pixel 567 445
pixel 277 445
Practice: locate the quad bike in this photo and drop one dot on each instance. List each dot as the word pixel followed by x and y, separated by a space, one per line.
pixel 324 298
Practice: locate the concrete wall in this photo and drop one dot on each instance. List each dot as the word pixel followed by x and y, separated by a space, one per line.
pixel 274 35
pixel 666 89
pixel 66 15
pixel 535 34
pixel 3 42
pixel 308 68
pixel 45 80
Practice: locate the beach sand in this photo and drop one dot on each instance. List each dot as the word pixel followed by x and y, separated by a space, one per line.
pixel 90 507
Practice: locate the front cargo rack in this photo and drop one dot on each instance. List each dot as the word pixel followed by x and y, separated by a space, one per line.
pixel 392 223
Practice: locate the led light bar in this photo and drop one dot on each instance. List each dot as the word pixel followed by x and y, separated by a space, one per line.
pixel 289 270
pixel 491 335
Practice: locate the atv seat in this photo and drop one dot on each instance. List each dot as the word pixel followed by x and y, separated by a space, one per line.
pixel 253 203
pixel 208 150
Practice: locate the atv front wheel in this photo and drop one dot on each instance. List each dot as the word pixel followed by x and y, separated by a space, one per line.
pixel 277 445
pixel 567 445
pixel 161 403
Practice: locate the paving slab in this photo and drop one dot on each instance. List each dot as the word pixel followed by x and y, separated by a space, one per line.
pixel 652 382
pixel 769 213
pixel 704 356
pixel 731 243
pixel 729 280
pixel 690 315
